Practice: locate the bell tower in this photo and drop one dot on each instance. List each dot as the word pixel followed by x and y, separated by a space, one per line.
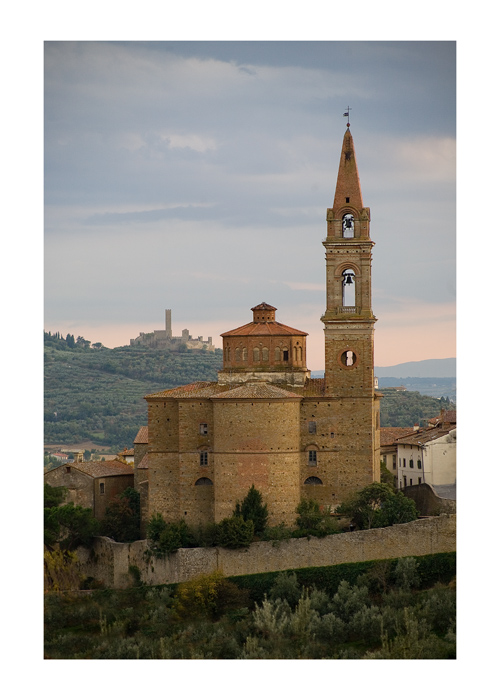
pixel 349 320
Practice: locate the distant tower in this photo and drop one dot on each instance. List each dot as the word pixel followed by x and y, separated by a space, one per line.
pixel 168 322
pixel 348 319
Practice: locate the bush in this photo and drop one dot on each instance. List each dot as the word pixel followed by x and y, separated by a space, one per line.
pixel 378 506
pixel 166 538
pixel 69 526
pixel 234 532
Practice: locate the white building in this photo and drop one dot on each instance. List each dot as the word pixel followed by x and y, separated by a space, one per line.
pixel 429 455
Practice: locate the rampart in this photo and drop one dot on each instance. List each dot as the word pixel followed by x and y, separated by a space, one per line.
pixel 110 561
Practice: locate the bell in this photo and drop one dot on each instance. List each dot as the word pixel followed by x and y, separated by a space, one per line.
pixel 348 278
pixel 348 223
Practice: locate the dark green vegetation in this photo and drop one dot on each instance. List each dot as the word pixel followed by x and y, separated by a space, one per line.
pixel 96 394
pixel 67 526
pixel 378 505
pixel 401 409
pixel 393 609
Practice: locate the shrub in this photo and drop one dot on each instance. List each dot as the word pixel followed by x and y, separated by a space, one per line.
pixel 234 532
pixel 166 538
pixel 122 519
pixel 378 506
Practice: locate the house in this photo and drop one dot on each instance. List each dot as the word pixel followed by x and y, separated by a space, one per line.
pixel 429 455
pixel 92 484
pixel 389 450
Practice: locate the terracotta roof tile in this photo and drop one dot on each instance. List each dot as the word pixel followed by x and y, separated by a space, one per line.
pixel 389 435
pixel 143 464
pixel 195 390
pixel 257 329
pixel 257 390
pixel 142 436
pixel 102 469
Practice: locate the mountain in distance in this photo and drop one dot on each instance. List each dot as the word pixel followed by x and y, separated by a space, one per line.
pixel 423 368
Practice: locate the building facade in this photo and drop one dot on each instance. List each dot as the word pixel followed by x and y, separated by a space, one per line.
pixel 265 421
pixel 164 340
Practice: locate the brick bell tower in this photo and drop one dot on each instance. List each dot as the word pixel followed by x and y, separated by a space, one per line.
pixel 349 320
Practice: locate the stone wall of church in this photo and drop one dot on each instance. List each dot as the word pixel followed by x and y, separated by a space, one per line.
pixel 257 442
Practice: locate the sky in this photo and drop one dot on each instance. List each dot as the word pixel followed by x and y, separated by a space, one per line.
pixel 196 175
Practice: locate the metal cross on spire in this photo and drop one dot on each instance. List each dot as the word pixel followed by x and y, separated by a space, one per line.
pixel 346 114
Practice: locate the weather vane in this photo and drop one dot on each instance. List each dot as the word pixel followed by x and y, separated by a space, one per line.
pixel 346 114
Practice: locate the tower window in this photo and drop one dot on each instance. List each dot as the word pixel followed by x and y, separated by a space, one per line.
pixel 312 427
pixel 101 488
pixel 348 358
pixel 313 458
pixel 203 459
pixel 203 429
pixel 347 200
pixel 348 226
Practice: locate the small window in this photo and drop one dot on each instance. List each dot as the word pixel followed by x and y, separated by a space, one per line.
pixel 419 463
pixel 313 481
pixel 312 427
pixel 411 463
pixel 285 355
pixel 404 462
pixel 101 488
pixel 419 479
pixel 203 459
pixel 203 429
pixel 313 458
pixel 394 461
pixel 332 434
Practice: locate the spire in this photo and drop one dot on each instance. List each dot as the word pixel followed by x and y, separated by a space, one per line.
pixel 348 189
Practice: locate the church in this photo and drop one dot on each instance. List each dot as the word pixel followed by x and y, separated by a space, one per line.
pixel 265 421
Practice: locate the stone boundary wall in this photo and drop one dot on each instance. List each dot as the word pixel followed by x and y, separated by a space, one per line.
pixel 109 561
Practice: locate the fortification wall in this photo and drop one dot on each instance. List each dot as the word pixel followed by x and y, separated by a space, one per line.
pixel 109 561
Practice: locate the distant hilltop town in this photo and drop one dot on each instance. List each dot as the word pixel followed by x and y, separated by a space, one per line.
pixel 165 339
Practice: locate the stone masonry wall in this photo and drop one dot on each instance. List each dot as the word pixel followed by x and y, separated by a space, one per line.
pixel 109 561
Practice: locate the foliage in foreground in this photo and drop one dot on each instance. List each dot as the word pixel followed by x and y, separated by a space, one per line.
pixel 211 617
pixel 378 505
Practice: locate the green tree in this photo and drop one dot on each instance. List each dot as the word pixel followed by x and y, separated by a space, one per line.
pixel 234 532
pixel 378 506
pixel 166 538
pixel 253 508
pixel 122 519
pixel 309 514
pixel 53 496
pixel 69 526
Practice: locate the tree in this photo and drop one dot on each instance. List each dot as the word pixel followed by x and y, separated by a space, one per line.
pixel 253 508
pixel 122 519
pixel 53 496
pixel 69 526
pixel 378 506
pixel 166 538
pixel 310 515
pixel 234 532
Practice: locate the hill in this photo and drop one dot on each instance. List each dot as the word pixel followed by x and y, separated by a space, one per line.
pixel 423 368
pixel 96 394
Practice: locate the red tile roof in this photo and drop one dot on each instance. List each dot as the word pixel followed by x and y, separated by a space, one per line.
pixel 256 390
pixel 388 436
pixel 268 328
pixel 142 436
pixel 101 469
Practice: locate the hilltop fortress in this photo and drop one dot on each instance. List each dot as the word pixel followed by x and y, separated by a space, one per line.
pixel 164 340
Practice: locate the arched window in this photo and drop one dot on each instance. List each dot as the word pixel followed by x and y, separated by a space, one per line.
pixel 265 355
pixel 244 354
pixel 277 354
pixel 204 481
pixel 313 481
pixel 348 226
pixel 256 354
pixel 295 354
pixel 348 288
pixel 237 355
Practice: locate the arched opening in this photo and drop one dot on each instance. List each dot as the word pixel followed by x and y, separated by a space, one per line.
pixel 348 358
pixel 313 481
pixel 349 288
pixel 348 226
pixel 265 355
pixel 256 354
pixel 237 355
pixel 204 481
